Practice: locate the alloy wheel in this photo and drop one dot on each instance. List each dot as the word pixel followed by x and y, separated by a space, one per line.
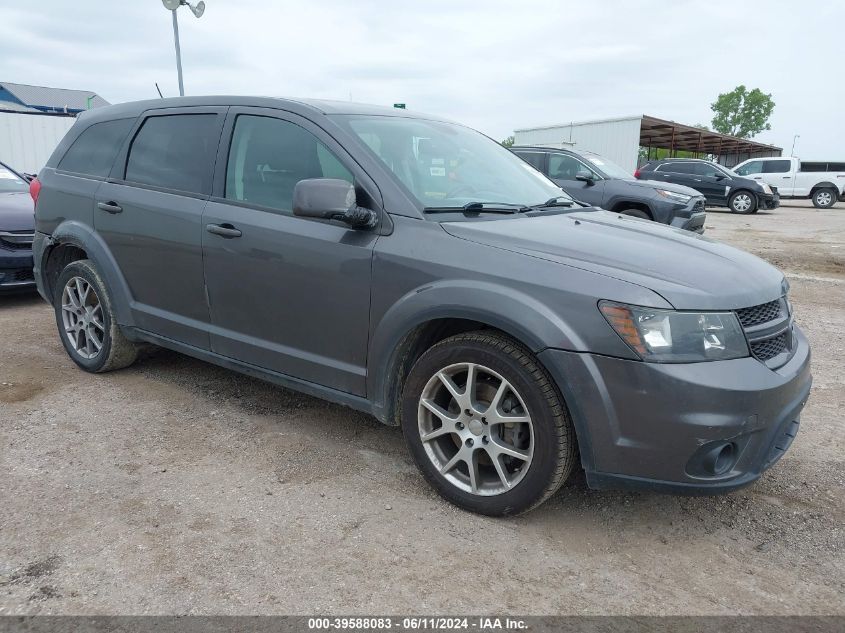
pixel 476 429
pixel 82 317
pixel 824 198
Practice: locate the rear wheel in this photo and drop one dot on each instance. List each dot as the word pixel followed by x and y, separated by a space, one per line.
pixel 86 321
pixel 485 424
pixel 824 198
pixel 743 202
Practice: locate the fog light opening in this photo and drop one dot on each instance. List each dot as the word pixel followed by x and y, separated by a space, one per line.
pixel 724 460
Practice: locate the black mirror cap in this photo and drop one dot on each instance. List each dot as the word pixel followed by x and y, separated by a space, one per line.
pixel 331 199
pixel 586 176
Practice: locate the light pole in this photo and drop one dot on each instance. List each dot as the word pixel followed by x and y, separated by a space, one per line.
pixel 197 9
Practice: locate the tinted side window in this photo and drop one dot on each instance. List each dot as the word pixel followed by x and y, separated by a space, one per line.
pixel 94 151
pixel 565 167
pixel 754 167
pixel 776 166
pixel 679 168
pixel 269 156
pixel 174 152
pixel 535 159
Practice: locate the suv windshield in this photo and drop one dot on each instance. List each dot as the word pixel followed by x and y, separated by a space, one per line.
pixel 449 165
pixel 9 181
pixel 611 170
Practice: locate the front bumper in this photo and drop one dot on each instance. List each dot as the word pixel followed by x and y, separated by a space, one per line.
pixel 647 425
pixel 768 200
pixel 16 270
pixel 691 216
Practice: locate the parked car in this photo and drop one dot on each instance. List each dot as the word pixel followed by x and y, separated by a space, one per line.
pixel 17 226
pixel 597 181
pixel 415 269
pixel 721 186
pixel 823 183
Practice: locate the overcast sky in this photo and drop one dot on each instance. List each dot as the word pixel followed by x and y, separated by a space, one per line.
pixel 494 65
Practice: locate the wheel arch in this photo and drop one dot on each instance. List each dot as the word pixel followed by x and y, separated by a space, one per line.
pixel 826 184
pixel 426 316
pixel 67 242
pixel 623 205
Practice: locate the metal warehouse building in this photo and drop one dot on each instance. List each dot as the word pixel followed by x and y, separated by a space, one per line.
pixel 620 140
pixel 33 119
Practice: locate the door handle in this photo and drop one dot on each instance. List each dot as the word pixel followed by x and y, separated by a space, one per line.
pixel 110 207
pixel 787 177
pixel 223 230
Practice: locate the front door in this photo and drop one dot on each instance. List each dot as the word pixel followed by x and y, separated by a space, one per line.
pixel 150 215
pixel 711 181
pixel 562 170
pixel 287 294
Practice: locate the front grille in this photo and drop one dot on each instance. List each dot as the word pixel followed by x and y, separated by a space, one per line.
pixel 16 241
pixel 770 347
pixel 699 206
pixel 749 317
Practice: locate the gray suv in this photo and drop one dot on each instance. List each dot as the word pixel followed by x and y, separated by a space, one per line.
pixel 414 269
pixel 595 180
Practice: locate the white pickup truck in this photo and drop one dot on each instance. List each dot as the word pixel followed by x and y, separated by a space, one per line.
pixel 823 183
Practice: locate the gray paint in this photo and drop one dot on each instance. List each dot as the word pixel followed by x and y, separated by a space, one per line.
pixel 319 307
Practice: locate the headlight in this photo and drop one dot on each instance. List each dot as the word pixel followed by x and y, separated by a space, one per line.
pixel 766 188
pixel 667 336
pixel 672 195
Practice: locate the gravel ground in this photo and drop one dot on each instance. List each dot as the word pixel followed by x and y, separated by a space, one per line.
pixel 177 487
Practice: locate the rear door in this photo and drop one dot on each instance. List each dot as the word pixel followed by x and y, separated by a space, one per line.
pixel 288 294
pixel 149 213
pixel 562 170
pixel 680 173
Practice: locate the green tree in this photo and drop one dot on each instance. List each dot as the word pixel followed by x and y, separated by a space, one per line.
pixel 508 142
pixel 742 112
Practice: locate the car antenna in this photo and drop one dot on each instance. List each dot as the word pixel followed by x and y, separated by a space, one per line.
pixel 159 91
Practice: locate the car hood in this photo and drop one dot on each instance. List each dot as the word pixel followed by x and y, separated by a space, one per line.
pixel 668 186
pixel 17 212
pixel 690 271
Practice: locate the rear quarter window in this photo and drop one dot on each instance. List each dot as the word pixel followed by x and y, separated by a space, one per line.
pixel 776 166
pixel 94 151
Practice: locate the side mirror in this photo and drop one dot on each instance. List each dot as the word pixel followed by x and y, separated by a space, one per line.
pixel 719 176
pixel 331 199
pixel 586 176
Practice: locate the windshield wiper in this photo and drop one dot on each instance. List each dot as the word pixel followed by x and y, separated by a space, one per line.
pixel 486 207
pixel 557 201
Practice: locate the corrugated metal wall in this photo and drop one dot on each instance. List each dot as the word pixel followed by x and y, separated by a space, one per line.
pixel 617 140
pixel 27 140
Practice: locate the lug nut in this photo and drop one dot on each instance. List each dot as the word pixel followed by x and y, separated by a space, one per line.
pixel 484 420
pixel 459 425
pixel 484 439
pixel 467 412
pixel 470 442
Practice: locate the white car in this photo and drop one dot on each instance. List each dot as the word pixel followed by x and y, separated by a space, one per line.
pixel 823 183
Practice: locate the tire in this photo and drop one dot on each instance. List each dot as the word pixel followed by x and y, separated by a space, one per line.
pixel 743 202
pixel 825 198
pixel 539 453
pixel 636 213
pixel 95 344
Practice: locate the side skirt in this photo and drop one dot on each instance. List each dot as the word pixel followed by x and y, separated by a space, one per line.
pixel 289 382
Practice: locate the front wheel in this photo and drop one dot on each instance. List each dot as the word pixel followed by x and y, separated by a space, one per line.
pixel 636 213
pixel 824 198
pixel 485 424
pixel 742 202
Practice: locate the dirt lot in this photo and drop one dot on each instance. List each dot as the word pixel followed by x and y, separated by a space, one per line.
pixel 176 487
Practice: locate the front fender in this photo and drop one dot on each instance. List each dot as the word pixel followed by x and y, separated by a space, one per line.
pixel 83 236
pixel 517 314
